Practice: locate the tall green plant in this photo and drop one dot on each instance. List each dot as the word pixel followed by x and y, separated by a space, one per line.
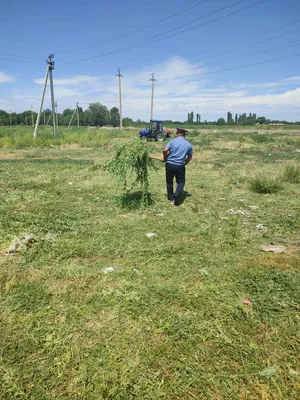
pixel 131 165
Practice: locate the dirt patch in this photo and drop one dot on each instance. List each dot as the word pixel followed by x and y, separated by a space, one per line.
pixel 11 156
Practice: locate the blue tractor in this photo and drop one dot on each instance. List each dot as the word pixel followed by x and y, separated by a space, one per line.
pixel 155 131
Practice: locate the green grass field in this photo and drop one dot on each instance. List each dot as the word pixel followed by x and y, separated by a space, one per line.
pixel 169 322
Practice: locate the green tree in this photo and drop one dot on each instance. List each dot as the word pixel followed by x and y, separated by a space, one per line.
pixel 97 114
pixel 114 117
pixel 221 121
pixel 229 118
pixel 192 117
pixel 127 122
pixel 236 119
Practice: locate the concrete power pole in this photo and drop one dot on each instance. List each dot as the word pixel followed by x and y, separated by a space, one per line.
pixel 152 79
pixel 120 95
pixel 51 68
pixel 32 116
pixel 56 113
pixel 77 110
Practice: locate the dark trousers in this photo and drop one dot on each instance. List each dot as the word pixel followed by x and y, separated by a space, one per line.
pixel 179 172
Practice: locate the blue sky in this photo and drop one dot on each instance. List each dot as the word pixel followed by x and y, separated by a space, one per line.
pixel 203 56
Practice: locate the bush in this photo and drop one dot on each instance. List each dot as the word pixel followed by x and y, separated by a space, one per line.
pixel 292 173
pixel 263 185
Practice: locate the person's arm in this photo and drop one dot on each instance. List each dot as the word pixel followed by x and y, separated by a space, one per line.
pixel 165 154
pixel 189 156
pixel 188 159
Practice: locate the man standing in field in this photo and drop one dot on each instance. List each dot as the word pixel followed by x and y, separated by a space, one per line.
pixel 177 154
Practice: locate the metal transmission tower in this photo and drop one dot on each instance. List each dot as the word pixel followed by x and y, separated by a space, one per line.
pixel 50 68
pixel 152 79
pixel 120 95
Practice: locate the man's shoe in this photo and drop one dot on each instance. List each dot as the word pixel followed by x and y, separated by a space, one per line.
pixel 171 198
pixel 176 201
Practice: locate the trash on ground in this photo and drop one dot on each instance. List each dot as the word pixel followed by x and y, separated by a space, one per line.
pixel 70 183
pixel 137 271
pixel 253 207
pixel 159 214
pixel 219 164
pixel 19 244
pixel 247 302
pixel 151 234
pixel 261 228
pixel 269 372
pixel 239 212
pixel 278 249
pixel 109 269
pixel 50 235
pixel 204 272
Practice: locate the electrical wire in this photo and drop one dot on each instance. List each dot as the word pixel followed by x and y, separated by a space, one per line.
pixel 235 68
pixel 229 51
pixel 223 45
pixel 150 40
pixel 136 30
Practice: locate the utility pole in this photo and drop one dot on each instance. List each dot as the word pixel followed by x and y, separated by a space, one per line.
pixel 77 109
pixel 56 113
pixel 44 118
pixel 152 79
pixel 51 68
pixel 120 95
pixel 32 116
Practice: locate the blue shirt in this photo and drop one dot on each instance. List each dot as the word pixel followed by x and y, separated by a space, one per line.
pixel 179 149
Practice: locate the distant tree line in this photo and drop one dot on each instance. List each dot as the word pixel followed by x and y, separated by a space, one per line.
pixel 96 115
pixel 239 119
pixel 99 115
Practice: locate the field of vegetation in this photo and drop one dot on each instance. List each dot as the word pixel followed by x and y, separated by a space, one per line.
pixel 94 308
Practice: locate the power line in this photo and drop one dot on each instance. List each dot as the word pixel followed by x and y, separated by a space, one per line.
pixel 256 53
pixel 233 50
pixel 238 67
pixel 136 30
pixel 21 61
pixel 225 45
pixel 150 40
pixel 14 55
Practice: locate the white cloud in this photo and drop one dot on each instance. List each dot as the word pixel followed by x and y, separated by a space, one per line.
pixel 5 78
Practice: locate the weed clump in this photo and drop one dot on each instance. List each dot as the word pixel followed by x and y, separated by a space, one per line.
pixel 131 165
pixel 263 185
pixel 292 173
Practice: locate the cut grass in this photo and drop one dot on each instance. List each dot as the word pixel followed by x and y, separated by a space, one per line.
pixel 169 322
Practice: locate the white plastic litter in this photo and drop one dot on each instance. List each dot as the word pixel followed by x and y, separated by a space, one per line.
pixel 109 269
pixel 151 234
